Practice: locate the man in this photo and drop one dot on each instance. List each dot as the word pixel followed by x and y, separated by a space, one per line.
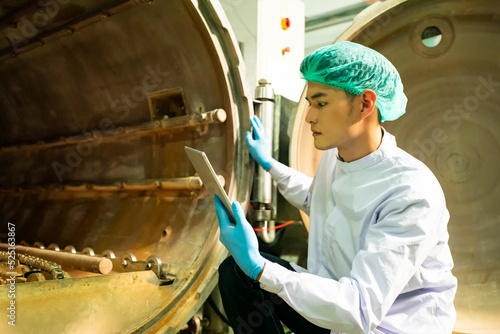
pixel 378 258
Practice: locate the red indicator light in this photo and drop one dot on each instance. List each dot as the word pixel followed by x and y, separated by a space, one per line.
pixel 285 50
pixel 285 23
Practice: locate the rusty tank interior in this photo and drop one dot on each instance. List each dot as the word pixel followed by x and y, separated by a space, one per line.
pixel 99 98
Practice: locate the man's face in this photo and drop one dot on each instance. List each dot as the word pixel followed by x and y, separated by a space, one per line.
pixel 330 116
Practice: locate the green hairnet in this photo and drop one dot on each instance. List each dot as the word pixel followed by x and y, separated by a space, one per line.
pixel 354 68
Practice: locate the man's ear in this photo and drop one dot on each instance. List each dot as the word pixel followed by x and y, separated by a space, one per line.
pixel 368 99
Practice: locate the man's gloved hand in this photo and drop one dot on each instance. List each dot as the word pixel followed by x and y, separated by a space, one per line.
pixel 259 147
pixel 240 240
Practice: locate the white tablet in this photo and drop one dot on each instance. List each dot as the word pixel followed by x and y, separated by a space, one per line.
pixel 210 181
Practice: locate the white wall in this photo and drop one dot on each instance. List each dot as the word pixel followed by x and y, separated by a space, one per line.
pixel 242 15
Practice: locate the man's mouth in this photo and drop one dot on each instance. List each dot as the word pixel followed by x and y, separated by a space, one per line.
pixel 315 133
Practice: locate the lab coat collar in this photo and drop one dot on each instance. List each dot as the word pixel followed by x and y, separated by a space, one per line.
pixel 387 145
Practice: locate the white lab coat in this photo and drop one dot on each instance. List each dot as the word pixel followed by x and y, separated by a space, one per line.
pixel 378 258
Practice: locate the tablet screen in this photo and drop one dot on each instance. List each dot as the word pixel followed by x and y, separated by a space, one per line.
pixel 210 181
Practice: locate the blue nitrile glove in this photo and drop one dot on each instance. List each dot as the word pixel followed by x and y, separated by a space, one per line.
pixel 240 240
pixel 259 147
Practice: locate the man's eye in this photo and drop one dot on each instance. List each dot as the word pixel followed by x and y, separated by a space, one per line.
pixel 321 104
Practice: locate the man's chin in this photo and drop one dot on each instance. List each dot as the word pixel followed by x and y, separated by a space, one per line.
pixel 322 146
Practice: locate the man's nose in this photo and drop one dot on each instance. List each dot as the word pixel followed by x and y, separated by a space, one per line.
pixel 311 115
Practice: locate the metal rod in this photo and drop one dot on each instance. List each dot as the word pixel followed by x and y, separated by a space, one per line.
pixel 46 36
pixel 141 129
pixel 181 183
pixel 93 264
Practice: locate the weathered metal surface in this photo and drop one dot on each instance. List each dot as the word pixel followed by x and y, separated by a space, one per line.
pixel 97 304
pixel 97 103
pixel 452 124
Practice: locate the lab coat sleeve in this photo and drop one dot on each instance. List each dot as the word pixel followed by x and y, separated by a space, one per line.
pixel 293 185
pixel 390 254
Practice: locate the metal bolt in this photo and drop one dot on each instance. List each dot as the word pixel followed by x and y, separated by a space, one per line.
pixel 166 232
pixel 263 82
pixel 88 251
pixel 109 254
pixel 70 249
pixel 38 244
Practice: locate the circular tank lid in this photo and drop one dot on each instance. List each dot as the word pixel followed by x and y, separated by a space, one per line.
pixel 98 100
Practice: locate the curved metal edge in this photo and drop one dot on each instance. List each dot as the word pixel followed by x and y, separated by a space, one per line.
pixel 225 41
pixel 169 320
pixel 296 141
pixel 203 280
pixel 365 17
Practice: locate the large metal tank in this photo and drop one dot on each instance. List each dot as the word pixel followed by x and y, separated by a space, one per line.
pixel 97 101
pixel 448 55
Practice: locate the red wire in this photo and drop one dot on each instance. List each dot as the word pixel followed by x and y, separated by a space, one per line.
pixel 276 227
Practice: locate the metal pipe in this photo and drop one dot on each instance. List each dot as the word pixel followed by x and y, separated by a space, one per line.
pixel 263 187
pixel 265 95
pixel 268 233
pixel 141 129
pixel 93 264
